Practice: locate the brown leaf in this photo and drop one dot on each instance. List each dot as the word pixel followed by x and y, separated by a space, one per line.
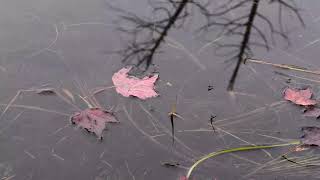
pixel 93 120
pixel 299 97
pixel 311 136
pixel 133 86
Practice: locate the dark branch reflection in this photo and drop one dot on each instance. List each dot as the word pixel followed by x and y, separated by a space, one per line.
pixel 148 35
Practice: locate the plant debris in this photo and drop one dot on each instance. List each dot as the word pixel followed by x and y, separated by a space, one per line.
pixel 311 136
pixel 170 164
pixel 133 86
pixel 172 114
pixel 45 91
pixel 284 66
pixel 211 121
pixel 183 178
pixel 299 97
pixel 300 148
pixel 210 87
pixel 93 120
pixel 292 161
pixel 312 112
pixel 69 94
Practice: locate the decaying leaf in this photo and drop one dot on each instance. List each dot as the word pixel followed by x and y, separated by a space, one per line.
pixel 311 136
pixel 312 112
pixel 133 86
pixel 183 178
pixel 303 97
pixel 45 91
pixel 300 148
pixel 299 97
pixel 93 120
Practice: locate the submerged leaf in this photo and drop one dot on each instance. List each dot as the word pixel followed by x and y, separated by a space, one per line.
pixel 299 97
pixel 183 178
pixel 93 120
pixel 312 112
pixel 311 136
pixel 133 86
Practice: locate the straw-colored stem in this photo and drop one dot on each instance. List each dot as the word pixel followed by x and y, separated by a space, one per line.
pixel 246 148
pixel 284 66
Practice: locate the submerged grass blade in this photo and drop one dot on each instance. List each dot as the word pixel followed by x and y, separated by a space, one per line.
pixel 36 108
pixel 246 148
pixel 12 101
pixel 86 101
pixel 284 66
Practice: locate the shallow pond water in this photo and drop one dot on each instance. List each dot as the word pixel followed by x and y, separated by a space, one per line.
pixel 66 44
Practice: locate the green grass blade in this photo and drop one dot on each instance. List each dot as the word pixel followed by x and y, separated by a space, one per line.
pixel 245 148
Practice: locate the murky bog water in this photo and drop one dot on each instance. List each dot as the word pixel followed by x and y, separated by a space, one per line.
pixel 68 46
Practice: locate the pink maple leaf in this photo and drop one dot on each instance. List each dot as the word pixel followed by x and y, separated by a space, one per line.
pixel 299 97
pixel 93 120
pixel 133 86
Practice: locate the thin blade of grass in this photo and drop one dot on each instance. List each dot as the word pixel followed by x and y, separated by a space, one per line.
pixel 284 66
pixel 12 101
pixel 69 94
pixel 36 108
pixel 246 148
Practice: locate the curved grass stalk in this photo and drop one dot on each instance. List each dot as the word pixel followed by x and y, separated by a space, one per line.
pixel 245 148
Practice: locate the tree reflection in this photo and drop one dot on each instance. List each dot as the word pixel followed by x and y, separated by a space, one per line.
pixel 148 34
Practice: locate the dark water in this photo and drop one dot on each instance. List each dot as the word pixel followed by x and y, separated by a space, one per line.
pixel 66 43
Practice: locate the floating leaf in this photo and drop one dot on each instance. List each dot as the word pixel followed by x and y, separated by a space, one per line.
pixel 299 97
pixel 93 120
pixel 312 112
pixel 133 86
pixel 311 136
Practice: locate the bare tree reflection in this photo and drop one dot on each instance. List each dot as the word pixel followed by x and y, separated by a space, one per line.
pixel 244 26
pixel 149 34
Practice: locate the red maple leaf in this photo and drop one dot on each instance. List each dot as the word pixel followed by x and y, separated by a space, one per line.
pixel 93 120
pixel 133 86
pixel 299 97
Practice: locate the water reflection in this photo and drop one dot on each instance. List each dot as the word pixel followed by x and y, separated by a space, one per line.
pixel 237 20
